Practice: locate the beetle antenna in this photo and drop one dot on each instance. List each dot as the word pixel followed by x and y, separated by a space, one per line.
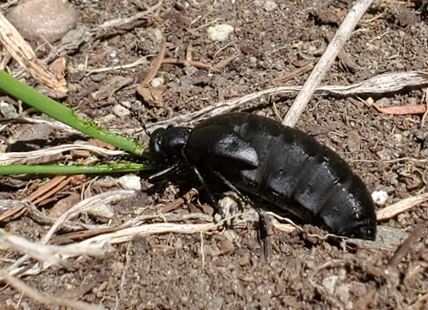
pixel 136 116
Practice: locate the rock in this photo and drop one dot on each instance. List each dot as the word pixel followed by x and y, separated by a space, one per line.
pixel 46 20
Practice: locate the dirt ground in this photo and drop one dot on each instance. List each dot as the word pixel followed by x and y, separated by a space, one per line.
pixel 224 269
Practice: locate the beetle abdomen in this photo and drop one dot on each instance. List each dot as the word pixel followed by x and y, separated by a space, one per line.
pixel 294 166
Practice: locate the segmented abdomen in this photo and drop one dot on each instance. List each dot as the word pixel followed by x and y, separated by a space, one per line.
pixel 294 166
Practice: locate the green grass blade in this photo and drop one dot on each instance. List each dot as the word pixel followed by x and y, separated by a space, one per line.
pixel 75 169
pixel 64 114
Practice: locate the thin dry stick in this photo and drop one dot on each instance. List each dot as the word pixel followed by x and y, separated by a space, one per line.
pixel 388 82
pixel 117 23
pixel 39 192
pixel 53 188
pixel 49 254
pixel 194 63
pixel 127 234
pixel 84 205
pixel 406 246
pixel 326 60
pixel 156 66
pixel 400 207
pixel 43 155
pixel 79 207
pixel 119 67
pixel 289 76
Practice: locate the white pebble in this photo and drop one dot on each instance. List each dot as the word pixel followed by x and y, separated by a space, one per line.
pixel 270 5
pixel 380 197
pixel 130 181
pixel 120 110
pixel 158 81
pixel 220 32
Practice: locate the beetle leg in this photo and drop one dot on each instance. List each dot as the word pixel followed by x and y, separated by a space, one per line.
pixel 263 227
pixel 217 208
pixel 233 187
pixel 264 231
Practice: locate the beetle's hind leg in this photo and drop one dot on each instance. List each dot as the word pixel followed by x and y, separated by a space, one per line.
pixel 263 225
pixel 264 232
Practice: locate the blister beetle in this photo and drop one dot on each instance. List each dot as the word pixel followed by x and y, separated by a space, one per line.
pixel 277 164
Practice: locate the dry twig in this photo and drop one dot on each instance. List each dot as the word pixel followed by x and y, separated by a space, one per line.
pixel 406 246
pixel 48 254
pixel 286 77
pixel 326 60
pixel 384 83
pixel 85 205
pixel 54 185
pixel 400 207
pixel 402 109
pixel 75 210
pixel 156 66
pixel 194 63
pixel 122 22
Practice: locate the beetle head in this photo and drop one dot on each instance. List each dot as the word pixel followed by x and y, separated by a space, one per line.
pixel 167 145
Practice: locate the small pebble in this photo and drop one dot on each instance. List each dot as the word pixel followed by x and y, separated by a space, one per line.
pixel 270 5
pixel 220 32
pixel 380 197
pixel 130 181
pixel 354 141
pixel 383 102
pixel 329 284
pixel 8 110
pixel 120 110
pixel 158 81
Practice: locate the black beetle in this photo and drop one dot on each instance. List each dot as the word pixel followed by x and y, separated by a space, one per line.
pixel 275 164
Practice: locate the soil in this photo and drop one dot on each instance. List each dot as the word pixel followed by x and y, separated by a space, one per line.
pixel 226 269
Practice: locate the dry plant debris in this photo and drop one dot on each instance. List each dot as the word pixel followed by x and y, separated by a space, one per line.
pixel 183 259
pixel 381 84
pixel 22 52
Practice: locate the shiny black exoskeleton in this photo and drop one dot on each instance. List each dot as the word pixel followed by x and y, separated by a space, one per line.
pixel 276 164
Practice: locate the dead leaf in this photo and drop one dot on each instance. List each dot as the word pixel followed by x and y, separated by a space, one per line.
pixel 64 205
pixel 151 95
pixel 403 109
